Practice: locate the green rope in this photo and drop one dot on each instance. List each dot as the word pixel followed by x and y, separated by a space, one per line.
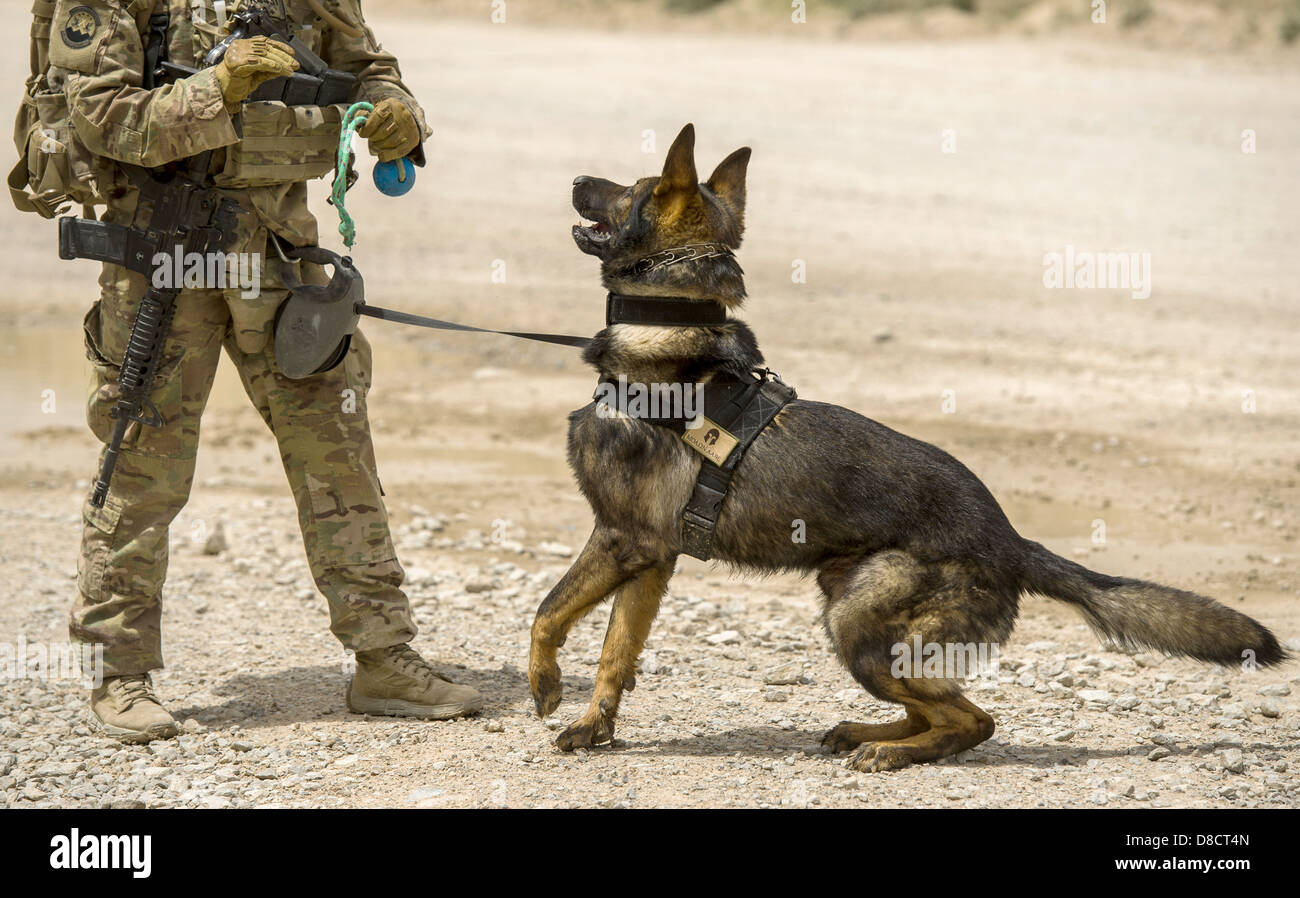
pixel 353 119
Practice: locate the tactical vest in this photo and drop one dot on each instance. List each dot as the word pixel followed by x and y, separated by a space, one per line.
pixel 285 136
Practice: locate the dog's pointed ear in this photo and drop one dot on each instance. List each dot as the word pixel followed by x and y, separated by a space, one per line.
pixel 679 167
pixel 728 180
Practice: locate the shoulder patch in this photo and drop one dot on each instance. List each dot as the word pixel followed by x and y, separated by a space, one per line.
pixel 83 31
pixel 79 27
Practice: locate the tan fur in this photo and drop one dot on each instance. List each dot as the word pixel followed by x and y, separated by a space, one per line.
pixel 635 605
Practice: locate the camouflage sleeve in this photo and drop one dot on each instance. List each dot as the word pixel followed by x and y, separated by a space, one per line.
pixel 376 69
pixel 99 50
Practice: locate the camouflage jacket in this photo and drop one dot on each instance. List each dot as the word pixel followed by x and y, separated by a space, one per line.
pixel 263 156
pixel 97 51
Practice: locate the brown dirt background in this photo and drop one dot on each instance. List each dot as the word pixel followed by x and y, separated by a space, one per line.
pixel 924 274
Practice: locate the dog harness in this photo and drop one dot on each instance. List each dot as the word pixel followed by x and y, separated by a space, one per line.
pixel 736 410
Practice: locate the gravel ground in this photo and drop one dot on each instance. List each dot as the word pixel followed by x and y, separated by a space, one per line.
pixel 737 686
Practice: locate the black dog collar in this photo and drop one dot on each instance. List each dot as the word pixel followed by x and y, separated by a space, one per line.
pixel 668 311
pixel 664 311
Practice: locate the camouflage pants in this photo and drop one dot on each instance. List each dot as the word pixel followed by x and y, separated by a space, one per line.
pixel 321 426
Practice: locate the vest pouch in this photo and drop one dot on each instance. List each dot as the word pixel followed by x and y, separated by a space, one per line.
pixel 44 166
pixel 282 144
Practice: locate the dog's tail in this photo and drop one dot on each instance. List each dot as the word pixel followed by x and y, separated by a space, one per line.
pixel 1142 615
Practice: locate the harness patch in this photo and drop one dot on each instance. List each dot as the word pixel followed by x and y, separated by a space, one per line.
pixel 711 440
pixel 80 27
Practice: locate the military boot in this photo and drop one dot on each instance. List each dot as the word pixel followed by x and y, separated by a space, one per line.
pixel 397 682
pixel 126 709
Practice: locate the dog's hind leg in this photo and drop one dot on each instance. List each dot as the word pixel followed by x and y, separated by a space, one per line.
pixel 605 563
pixel 856 593
pixel 635 606
pixel 953 724
pixel 847 735
pixel 889 600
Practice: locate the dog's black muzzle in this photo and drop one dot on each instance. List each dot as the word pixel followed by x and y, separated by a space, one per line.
pixel 593 198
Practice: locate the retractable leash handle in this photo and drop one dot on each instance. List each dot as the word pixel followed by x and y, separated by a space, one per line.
pixel 314 326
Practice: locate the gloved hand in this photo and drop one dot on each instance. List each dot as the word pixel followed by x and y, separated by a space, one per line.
pixel 391 130
pixel 249 63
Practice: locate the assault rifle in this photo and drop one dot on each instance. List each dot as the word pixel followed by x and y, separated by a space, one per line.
pixel 185 211
pixel 314 84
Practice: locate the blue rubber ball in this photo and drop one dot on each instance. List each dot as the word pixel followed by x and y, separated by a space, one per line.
pixel 395 178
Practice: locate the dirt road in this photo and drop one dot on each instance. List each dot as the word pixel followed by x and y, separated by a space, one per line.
pixel 1154 437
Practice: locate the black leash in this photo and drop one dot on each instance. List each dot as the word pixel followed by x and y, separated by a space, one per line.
pixel 663 311
pixel 436 324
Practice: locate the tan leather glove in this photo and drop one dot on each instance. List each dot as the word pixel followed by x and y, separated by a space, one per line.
pixel 391 130
pixel 248 64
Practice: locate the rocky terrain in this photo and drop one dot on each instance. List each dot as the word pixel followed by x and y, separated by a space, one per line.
pixel 1145 437
pixel 737 686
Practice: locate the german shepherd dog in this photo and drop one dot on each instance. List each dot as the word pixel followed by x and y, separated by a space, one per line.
pixel 905 541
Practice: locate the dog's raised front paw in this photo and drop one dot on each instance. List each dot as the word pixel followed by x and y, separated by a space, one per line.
pixel 544 680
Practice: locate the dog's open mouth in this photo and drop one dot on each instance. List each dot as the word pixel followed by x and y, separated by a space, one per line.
pixel 598 232
pixel 594 239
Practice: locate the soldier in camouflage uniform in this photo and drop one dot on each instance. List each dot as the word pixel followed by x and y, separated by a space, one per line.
pixel 97 55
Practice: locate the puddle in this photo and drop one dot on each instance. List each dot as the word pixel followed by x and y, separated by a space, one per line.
pixel 47 377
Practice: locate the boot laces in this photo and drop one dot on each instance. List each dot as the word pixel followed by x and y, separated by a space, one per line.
pixel 408 660
pixel 133 689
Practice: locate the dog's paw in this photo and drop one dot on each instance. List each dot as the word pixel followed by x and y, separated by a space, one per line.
pixel 594 728
pixel 544 680
pixel 878 757
pixel 842 737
